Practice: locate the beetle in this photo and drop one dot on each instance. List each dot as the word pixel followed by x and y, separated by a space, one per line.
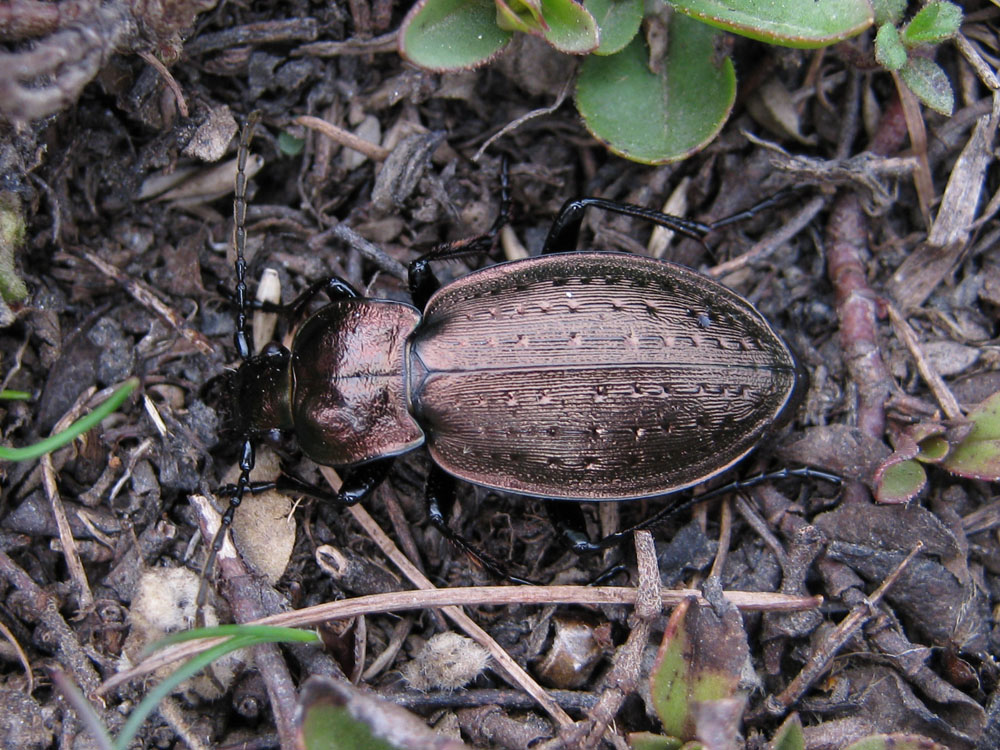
pixel 586 376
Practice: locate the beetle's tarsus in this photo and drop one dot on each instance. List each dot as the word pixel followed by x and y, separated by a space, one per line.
pixel 779 197
pixel 605 576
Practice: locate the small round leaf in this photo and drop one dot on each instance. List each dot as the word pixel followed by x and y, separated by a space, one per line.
pixel 289 144
pixel 889 50
pixel 518 15
pixel 658 117
pixel 888 11
pixel 618 20
pixel 900 482
pixel 978 455
pixel 571 28
pixel 451 34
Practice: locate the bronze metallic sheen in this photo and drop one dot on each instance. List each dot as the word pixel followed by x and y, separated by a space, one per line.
pixel 587 376
pixel 595 376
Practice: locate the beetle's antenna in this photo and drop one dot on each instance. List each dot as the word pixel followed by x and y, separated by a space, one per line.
pixel 242 341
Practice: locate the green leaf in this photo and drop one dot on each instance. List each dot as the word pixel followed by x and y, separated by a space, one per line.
pixel 933 449
pixel 700 660
pixel 789 735
pixel 331 727
pixel 12 287
pixel 520 15
pixel 289 145
pixel 935 23
pixel 978 456
pixel 335 715
pixel 451 34
pixel 789 23
pixel 260 634
pixel 652 741
pixel 571 29
pixel 888 11
pixel 618 20
pixel 928 81
pixel 900 482
pixel 889 50
pixel 658 117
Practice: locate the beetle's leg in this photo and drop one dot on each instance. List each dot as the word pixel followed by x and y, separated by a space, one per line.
pixel 359 482
pixel 243 485
pixel 422 280
pixel 335 287
pixel 779 197
pixel 441 491
pixel 579 543
pixel 565 230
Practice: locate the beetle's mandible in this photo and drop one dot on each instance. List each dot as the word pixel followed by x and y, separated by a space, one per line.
pixel 596 376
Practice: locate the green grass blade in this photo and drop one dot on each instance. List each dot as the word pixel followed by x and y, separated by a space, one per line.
pixel 242 636
pixel 79 427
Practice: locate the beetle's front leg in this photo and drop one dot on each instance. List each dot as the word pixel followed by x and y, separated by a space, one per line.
pixel 358 483
pixel 334 286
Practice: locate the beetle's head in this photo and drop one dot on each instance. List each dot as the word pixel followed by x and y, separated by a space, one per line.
pixel 255 398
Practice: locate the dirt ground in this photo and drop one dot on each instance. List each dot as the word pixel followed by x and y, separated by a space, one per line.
pixel 890 302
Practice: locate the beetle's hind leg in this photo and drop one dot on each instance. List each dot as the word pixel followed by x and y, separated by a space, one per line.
pixel 441 492
pixel 580 544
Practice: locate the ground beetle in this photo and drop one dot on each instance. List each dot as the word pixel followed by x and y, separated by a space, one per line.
pixel 587 376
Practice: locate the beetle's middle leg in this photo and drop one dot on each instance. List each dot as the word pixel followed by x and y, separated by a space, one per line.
pixel 441 491
pixel 565 230
pixel 422 280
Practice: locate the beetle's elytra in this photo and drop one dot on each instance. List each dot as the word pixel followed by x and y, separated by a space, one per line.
pixel 594 376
